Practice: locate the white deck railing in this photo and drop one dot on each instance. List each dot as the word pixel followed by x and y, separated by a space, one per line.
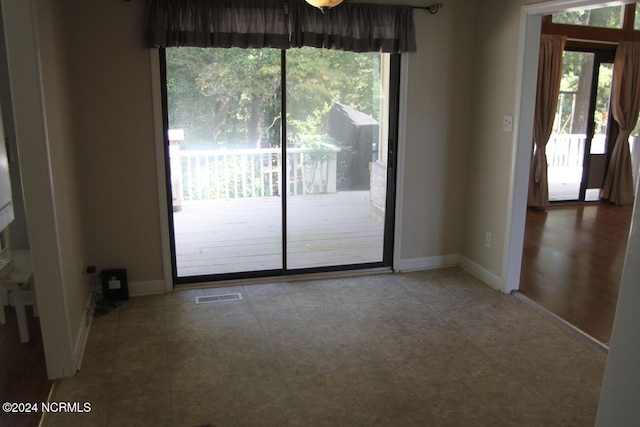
pixel 565 151
pixel 238 173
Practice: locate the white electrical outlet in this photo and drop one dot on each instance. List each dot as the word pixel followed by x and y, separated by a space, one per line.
pixel 487 239
pixel 507 123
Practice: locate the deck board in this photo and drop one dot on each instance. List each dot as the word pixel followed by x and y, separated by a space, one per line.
pixel 236 235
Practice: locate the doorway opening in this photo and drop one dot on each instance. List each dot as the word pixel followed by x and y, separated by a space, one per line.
pixel 279 162
pixel 564 266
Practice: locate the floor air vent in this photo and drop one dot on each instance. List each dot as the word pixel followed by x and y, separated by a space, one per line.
pixel 218 298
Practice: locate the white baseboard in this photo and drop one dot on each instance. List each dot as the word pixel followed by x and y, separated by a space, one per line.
pixel 83 333
pixel 149 287
pixel 416 264
pixel 482 273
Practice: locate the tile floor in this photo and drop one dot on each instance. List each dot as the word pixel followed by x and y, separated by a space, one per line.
pixel 435 348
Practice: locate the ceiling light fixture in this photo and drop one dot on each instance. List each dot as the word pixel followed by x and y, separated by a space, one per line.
pixel 324 5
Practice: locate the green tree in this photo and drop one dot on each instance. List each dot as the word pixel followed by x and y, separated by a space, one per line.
pixel 232 96
pixel 578 72
pixel 606 17
pixel 317 78
pixel 223 95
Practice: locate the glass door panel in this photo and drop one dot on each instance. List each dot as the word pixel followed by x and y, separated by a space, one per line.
pixel 576 151
pixel 337 132
pixel 565 149
pixel 601 120
pixel 223 109
pixel 249 199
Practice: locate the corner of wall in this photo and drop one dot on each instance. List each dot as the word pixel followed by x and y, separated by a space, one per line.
pixel 483 274
pixel 148 287
pixel 83 333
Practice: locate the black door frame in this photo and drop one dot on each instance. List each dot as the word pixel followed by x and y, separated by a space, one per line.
pixel 600 56
pixel 388 239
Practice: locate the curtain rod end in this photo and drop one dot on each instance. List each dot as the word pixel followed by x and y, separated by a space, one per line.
pixel 432 8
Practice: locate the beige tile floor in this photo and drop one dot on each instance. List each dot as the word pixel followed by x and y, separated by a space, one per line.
pixel 436 348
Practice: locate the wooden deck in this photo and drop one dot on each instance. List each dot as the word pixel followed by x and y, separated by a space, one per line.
pixel 570 191
pixel 561 191
pixel 564 183
pixel 236 235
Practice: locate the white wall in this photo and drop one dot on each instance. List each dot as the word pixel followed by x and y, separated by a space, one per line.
pixel 50 191
pixel 437 138
pixel 111 100
pixel 491 149
pixel 621 388
pixel 18 228
pixel 57 79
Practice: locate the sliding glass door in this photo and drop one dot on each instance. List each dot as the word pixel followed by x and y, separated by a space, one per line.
pixel 337 120
pixel 577 149
pixel 223 108
pixel 278 160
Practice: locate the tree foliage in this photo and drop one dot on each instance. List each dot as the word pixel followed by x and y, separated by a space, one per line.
pixel 575 93
pixel 606 17
pixel 232 97
pixel 222 94
pixel 578 71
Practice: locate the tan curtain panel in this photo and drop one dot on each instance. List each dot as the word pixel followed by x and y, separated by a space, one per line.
pixel 549 76
pixel 625 105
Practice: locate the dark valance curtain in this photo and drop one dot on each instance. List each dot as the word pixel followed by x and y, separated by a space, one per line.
pixel 220 23
pixel 279 24
pixel 354 27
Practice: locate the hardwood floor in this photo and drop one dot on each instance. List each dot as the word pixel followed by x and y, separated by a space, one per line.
pixel 23 377
pixel 572 263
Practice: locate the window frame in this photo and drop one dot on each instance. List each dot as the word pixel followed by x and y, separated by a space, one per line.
pixel 584 36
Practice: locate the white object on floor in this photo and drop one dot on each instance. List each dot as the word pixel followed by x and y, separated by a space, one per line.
pixel 19 283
